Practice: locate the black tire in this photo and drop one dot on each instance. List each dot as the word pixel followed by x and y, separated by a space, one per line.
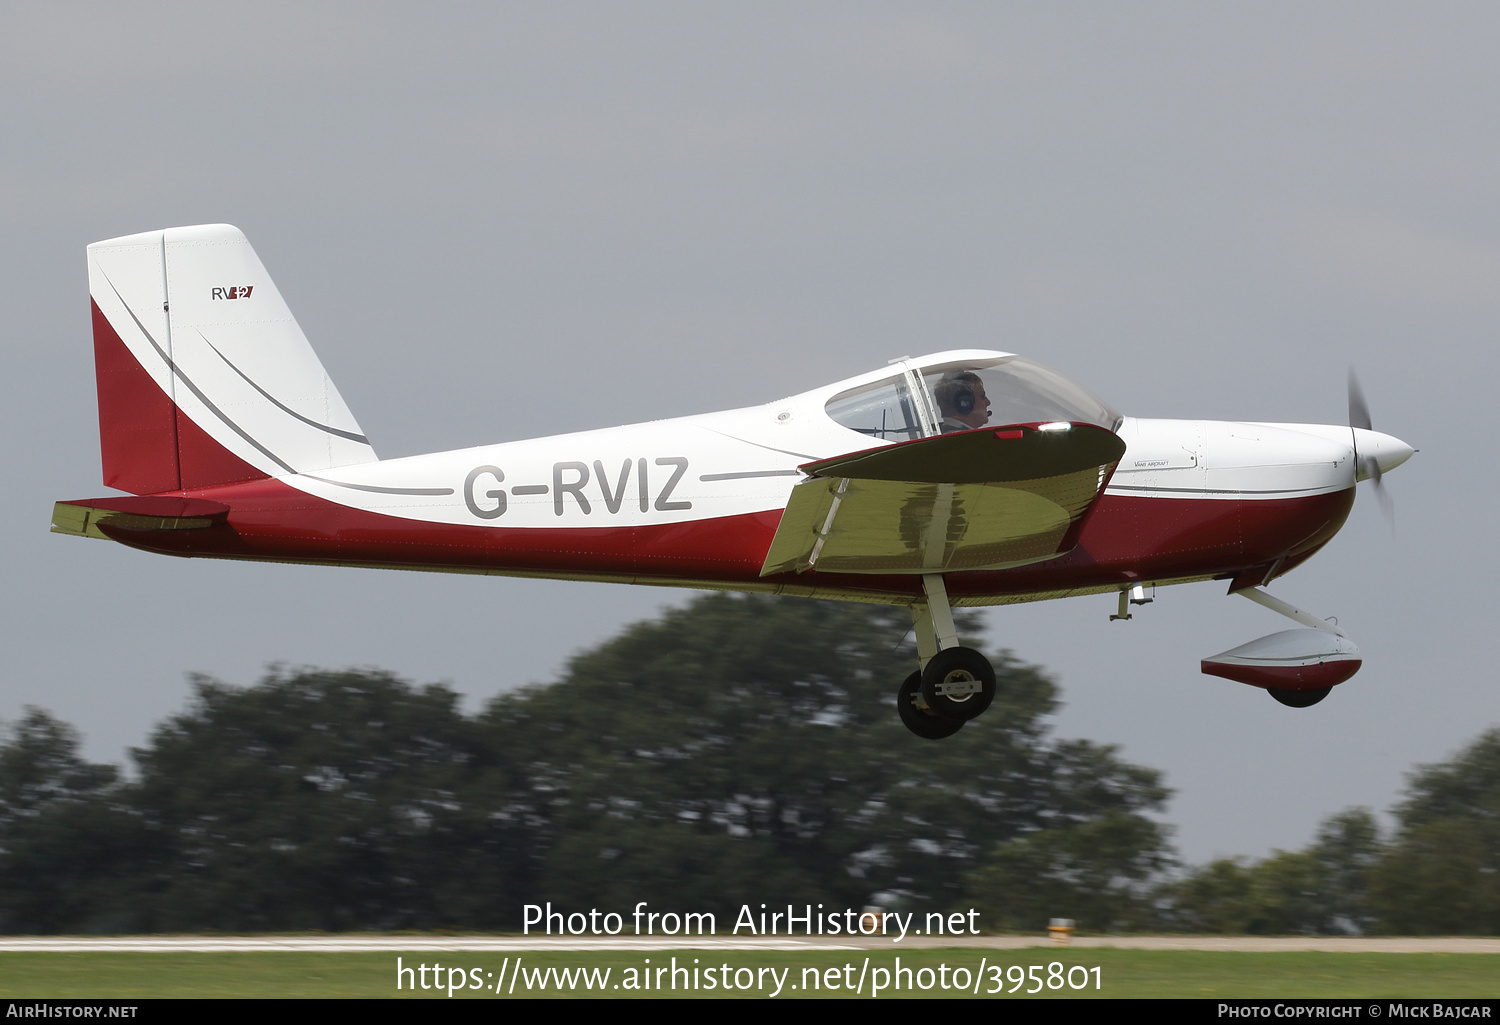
pixel 1298 698
pixel 920 721
pixel 958 667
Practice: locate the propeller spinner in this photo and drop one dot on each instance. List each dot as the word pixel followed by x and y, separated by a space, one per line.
pixel 1375 454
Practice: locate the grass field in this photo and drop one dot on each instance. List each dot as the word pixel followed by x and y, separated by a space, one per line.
pixel 1121 973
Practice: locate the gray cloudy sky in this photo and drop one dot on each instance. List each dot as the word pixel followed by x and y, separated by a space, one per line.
pixel 498 220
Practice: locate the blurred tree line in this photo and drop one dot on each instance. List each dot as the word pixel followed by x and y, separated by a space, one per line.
pixel 1435 875
pixel 738 751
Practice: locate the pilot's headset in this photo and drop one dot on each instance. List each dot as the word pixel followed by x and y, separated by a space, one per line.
pixel 955 393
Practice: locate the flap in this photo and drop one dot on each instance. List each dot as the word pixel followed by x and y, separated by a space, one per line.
pixel 984 499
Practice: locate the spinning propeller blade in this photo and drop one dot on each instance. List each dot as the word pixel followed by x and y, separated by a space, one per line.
pixel 1359 411
pixel 1359 417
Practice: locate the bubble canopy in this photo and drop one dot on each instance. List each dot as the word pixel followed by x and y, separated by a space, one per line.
pixel 918 400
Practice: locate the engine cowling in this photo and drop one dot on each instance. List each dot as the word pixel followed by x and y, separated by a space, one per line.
pixel 1293 660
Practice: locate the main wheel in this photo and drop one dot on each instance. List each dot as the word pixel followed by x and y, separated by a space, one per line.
pixel 920 721
pixel 958 683
pixel 1299 698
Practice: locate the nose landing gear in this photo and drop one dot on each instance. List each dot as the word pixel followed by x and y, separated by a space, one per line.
pixel 1298 698
pixel 955 683
pixel 1296 667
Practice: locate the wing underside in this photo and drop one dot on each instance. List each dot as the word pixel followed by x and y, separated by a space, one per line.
pixel 985 499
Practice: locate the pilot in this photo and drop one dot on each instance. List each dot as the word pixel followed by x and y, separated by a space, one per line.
pixel 961 401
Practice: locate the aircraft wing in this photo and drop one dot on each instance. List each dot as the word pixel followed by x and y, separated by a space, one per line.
pixel 982 499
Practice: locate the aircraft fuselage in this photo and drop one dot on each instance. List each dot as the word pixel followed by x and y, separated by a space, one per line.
pixel 694 502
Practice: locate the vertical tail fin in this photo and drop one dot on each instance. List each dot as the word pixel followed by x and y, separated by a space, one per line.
pixel 204 377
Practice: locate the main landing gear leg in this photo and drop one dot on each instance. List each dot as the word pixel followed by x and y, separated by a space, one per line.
pixel 955 683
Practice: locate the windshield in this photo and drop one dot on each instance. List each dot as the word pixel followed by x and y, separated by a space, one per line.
pixel 1009 390
pixel 881 410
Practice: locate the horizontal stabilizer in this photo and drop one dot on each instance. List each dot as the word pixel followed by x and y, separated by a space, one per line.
pixel 84 517
pixel 984 499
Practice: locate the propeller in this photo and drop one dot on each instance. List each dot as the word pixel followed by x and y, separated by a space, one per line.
pixel 1367 466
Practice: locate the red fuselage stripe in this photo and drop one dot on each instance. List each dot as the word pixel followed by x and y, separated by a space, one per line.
pixel 1126 539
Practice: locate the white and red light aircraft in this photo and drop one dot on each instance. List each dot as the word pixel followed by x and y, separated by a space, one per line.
pixel 961 478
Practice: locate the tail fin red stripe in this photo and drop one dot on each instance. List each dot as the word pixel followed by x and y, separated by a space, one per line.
pixel 147 444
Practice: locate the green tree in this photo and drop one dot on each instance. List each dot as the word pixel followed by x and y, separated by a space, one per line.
pixel 1323 889
pixel 746 749
pixel 737 751
pixel 1097 872
pixel 1278 895
pixel 67 845
pixel 1213 898
pixel 320 800
pixel 1442 871
pixel 1348 849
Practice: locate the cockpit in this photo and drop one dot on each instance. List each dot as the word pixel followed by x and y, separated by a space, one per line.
pixel 964 391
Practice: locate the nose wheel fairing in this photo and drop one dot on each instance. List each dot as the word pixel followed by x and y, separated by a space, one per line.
pixel 1297 667
pixel 1293 660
